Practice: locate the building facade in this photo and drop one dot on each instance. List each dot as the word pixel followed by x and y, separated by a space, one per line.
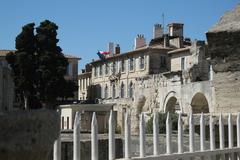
pixel 84 83
pixel 155 76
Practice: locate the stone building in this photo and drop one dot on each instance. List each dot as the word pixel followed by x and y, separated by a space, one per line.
pixel 84 82
pixel 72 71
pixel 155 76
pixel 72 68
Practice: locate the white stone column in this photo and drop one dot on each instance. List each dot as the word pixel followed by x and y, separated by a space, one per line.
pixel 127 135
pixel 142 135
pixel 212 133
pixel 94 138
pixel 191 133
pixel 155 134
pixel 230 135
pixel 202 133
pixel 76 137
pixel 180 134
pixel 168 134
pixel 111 137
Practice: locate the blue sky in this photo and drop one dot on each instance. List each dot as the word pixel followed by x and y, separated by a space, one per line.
pixel 87 26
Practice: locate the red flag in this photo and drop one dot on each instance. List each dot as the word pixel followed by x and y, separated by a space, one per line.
pixel 104 52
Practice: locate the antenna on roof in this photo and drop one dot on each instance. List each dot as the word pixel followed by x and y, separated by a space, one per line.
pixel 163 22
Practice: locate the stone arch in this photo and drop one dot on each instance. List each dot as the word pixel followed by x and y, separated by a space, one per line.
pixel 199 103
pixel 171 103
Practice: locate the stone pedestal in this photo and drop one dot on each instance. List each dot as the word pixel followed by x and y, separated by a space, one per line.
pixel 28 135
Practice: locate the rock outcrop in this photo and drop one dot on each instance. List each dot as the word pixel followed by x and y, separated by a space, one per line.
pixel 28 135
pixel 224 42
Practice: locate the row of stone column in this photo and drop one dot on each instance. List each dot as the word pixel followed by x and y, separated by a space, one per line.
pixel 142 136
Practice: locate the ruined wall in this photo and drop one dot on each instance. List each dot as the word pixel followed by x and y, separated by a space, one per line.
pixel 153 92
pixel 224 48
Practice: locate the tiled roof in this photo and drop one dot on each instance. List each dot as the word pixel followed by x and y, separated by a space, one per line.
pixel 146 48
pixel 4 52
pixel 71 57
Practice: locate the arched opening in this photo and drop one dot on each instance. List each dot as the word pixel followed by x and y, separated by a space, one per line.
pixel 172 105
pixel 199 103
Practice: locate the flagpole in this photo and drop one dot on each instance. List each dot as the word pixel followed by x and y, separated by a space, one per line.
pixel 163 23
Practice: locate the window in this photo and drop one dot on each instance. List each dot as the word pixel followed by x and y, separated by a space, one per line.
pixel 69 69
pixel 183 63
pixel 100 70
pixel 99 91
pixel 141 61
pixel 113 91
pixel 114 68
pixel 80 85
pixel 106 69
pixel 130 90
pixel 95 71
pixel 67 122
pixel 122 90
pixel 123 65
pixel 106 92
pixel 131 64
pixel 83 80
pixel 162 61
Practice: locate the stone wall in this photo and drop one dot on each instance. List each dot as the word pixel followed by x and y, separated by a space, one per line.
pixel 224 48
pixel 28 135
pixel 227 91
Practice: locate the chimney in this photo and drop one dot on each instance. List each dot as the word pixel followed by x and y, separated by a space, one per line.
pixel 175 29
pixel 139 41
pixel 117 49
pixel 110 48
pixel 157 31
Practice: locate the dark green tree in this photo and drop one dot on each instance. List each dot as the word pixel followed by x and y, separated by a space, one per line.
pixel 52 64
pixel 22 63
pixel 39 66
